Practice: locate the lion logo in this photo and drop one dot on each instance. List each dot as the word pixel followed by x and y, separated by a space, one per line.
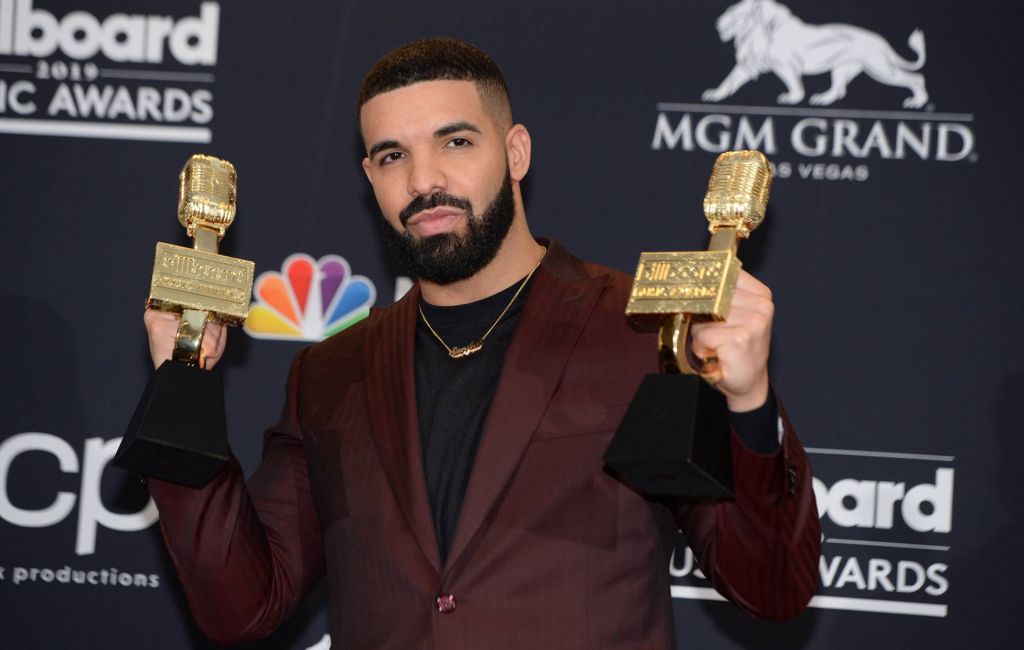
pixel 769 38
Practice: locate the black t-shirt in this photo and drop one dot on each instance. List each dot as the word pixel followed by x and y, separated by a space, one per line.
pixel 453 396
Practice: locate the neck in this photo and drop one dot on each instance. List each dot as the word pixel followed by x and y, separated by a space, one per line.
pixel 518 255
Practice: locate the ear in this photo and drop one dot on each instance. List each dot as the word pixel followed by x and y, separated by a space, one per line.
pixel 517 148
pixel 366 169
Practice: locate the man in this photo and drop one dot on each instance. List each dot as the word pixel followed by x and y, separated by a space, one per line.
pixel 441 461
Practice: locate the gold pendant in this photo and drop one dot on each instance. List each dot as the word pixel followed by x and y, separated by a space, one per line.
pixel 465 350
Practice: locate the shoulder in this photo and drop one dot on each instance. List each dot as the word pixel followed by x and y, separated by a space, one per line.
pixel 347 349
pixel 617 284
pixel 608 313
pixel 610 348
pixel 563 264
pixel 617 281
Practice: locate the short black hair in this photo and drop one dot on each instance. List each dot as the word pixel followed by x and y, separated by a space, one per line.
pixel 438 59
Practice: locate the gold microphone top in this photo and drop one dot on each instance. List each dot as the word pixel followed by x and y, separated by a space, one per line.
pixel 207 194
pixel 738 192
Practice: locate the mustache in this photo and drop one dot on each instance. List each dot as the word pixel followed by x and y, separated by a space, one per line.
pixel 435 200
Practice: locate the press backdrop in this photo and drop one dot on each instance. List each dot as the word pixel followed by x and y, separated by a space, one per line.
pixel 891 245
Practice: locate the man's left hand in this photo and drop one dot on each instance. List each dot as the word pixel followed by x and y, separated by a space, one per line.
pixel 741 343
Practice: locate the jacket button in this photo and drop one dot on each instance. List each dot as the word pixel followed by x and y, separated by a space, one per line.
pixel 446 603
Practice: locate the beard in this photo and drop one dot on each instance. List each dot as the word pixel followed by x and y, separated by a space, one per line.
pixel 449 257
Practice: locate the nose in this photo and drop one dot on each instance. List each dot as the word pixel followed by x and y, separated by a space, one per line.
pixel 425 176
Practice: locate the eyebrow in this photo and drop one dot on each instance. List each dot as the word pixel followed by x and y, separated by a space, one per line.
pixel 455 127
pixel 381 146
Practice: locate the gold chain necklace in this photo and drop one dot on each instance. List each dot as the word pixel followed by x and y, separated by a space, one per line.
pixel 462 351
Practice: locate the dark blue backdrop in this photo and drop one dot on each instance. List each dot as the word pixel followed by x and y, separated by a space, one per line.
pixel 890 245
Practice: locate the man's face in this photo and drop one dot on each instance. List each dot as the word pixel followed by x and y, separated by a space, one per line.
pixel 438 165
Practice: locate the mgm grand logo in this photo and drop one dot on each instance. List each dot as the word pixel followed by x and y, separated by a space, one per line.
pixel 833 143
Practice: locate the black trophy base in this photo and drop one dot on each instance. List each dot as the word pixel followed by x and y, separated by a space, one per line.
pixel 179 431
pixel 675 439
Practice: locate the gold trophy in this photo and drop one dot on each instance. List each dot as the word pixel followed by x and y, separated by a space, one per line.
pixel 197 282
pixel 674 439
pixel 179 430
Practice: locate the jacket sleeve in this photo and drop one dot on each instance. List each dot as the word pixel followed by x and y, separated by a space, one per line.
pixel 247 554
pixel 761 551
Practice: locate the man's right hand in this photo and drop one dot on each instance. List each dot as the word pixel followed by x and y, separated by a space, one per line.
pixel 161 326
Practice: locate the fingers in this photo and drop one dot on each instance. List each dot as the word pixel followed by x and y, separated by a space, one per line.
pixel 162 326
pixel 741 344
pixel 752 320
pixel 748 283
pixel 214 341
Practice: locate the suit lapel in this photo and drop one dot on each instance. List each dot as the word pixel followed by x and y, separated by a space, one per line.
pixel 391 390
pixel 556 310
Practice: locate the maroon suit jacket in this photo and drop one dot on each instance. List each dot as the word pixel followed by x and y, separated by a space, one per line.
pixel 550 552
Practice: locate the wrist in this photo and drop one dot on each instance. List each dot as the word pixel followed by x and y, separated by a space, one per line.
pixel 752 399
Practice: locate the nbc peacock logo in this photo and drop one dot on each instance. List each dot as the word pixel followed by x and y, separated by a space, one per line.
pixel 309 300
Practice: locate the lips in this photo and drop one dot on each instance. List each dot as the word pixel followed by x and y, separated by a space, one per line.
pixel 434 221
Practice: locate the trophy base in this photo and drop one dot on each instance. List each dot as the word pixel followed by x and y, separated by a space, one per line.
pixel 179 431
pixel 675 439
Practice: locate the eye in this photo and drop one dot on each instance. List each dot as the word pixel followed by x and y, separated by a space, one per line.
pixel 458 143
pixel 391 157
